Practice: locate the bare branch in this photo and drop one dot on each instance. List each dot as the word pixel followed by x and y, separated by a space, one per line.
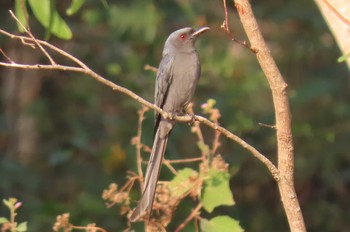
pixel 141 113
pixel 190 160
pixel 34 39
pixel 272 168
pixel 170 167
pixel 6 56
pixel 87 71
pixel 194 214
pixel 282 114
pixel 267 125
pixel 42 67
pixel 151 68
pixel 225 27
pixel 225 23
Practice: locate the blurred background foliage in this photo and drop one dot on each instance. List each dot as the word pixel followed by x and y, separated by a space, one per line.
pixel 64 137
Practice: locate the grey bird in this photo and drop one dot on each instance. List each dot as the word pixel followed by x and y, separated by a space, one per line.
pixel 177 78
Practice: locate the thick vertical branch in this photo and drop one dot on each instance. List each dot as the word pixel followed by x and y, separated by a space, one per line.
pixel 282 116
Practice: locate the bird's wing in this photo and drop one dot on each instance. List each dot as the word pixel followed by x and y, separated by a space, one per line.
pixel 164 78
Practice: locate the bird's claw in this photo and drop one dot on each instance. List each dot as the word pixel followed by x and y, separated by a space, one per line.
pixel 170 116
pixel 192 120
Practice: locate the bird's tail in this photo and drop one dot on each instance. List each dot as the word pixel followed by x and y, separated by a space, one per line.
pixel 144 207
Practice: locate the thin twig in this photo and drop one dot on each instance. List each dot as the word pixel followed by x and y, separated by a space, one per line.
pixel 197 129
pixel 194 213
pixel 267 125
pixel 141 113
pixel 6 56
pixel 25 40
pixel 127 185
pixel 225 27
pixel 34 39
pixel 43 67
pixel 88 228
pixel 185 160
pixel 196 224
pixel 151 68
pixel 171 168
pixel 272 168
pixel 225 24
pixel 216 142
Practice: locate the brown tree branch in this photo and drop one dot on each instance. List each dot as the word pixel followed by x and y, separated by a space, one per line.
pixel 31 36
pixel 190 160
pixel 87 71
pixel 225 26
pixel 194 214
pixel 278 87
pixel 138 144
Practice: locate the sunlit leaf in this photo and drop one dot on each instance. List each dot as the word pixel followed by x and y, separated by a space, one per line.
pixel 222 224
pixel 75 6
pixel 208 105
pixel 105 4
pixel 343 58
pixel 182 182
pixel 3 220
pixel 21 13
pixel 204 148
pixel 22 227
pixel 10 202
pixel 218 182
pixel 42 11
pixel 140 21
pixel 92 16
pixel 114 69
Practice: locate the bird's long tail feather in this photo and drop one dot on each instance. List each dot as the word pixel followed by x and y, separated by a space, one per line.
pixel 144 207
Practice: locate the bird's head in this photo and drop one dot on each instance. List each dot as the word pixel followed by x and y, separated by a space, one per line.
pixel 183 40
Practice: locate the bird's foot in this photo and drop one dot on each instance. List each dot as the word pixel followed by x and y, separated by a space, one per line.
pixel 170 116
pixel 192 120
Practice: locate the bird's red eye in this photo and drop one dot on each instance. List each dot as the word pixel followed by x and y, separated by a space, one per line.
pixel 183 36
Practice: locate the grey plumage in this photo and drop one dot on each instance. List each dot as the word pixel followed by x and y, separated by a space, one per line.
pixel 177 77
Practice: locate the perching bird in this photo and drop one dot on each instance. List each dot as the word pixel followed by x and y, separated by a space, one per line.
pixel 177 78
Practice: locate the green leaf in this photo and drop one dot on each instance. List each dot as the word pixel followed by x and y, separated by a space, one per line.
pixel 209 105
pixel 22 227
pixel 343 58
pixel 140 22
pixel 49 27
pixel 43 12
pixel 105 4
pixel 92 16
pixel 10 202
pixel 222 224
pixel 21 12
pixel 204 148
pixel 182 182
pixel 113 69
pixel 75 6
pixel 3 220
pixel 218 183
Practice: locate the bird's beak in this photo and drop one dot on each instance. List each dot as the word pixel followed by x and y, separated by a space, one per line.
pixel 199 31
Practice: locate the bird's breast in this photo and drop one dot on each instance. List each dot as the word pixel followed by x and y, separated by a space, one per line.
pixel 185 75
